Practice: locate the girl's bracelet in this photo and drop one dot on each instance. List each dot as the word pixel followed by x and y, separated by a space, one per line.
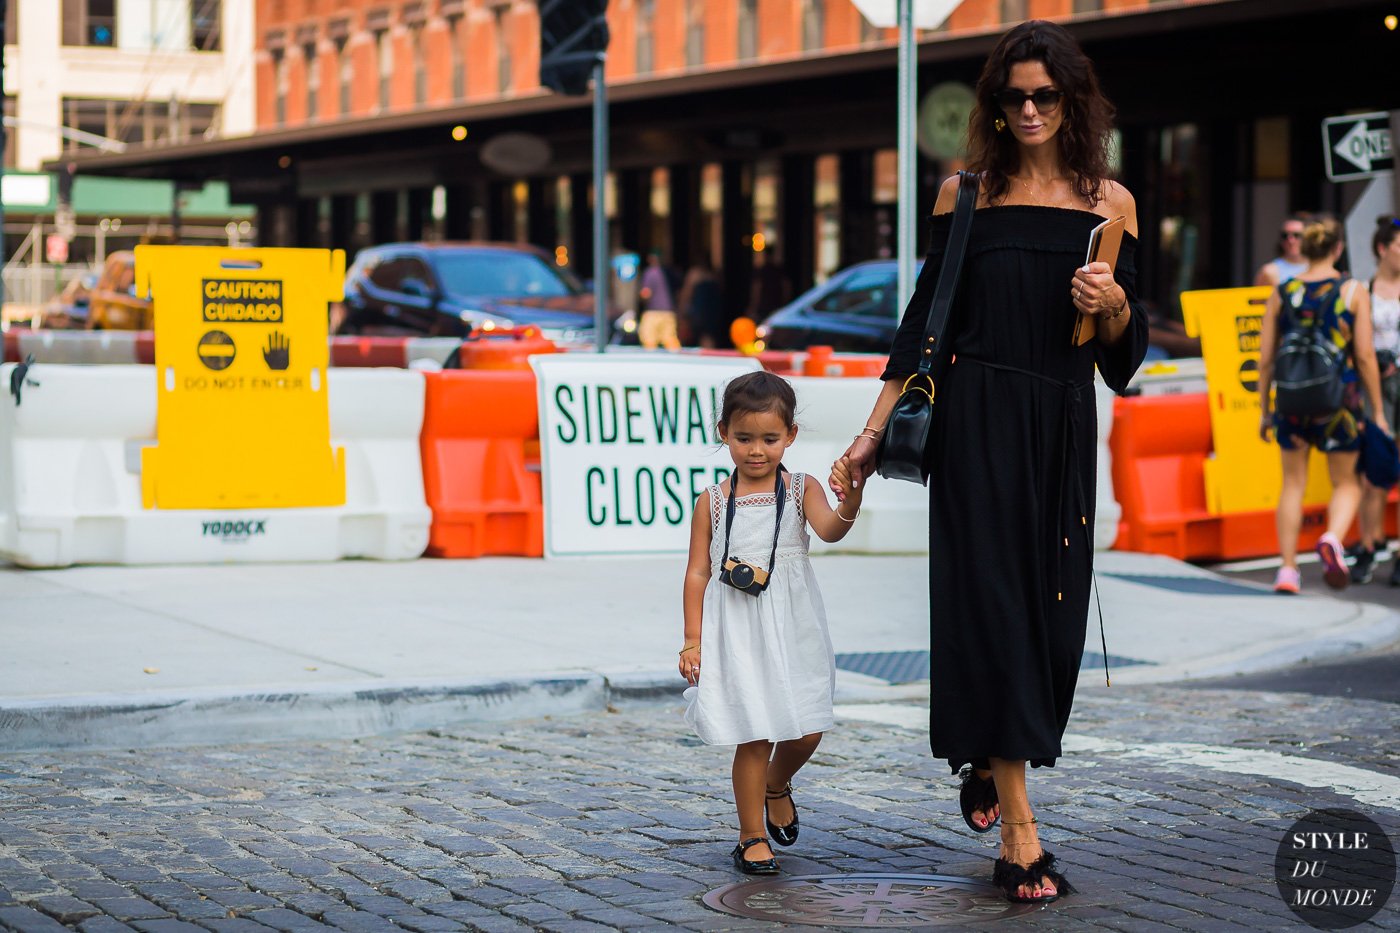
pixel 849 521
pixel 688 648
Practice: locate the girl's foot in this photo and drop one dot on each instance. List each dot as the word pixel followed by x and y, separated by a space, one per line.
pixel 1021 849
pixel 753 856
pixel 781 815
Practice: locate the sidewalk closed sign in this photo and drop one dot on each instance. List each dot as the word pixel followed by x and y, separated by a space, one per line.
pixel 627 443
pixel 242 417
pixel 1358 146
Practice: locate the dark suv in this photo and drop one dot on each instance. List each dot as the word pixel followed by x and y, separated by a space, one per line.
pixel 855 310
pixel 450 289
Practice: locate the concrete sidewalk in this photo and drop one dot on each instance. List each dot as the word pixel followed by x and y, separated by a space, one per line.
pixel 126 657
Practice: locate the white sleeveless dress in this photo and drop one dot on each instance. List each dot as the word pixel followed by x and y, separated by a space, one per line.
pixel 766 666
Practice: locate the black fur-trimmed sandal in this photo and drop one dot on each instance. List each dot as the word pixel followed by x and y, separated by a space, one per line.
pixel 977 793
pixel 782 835
pixel 1009 876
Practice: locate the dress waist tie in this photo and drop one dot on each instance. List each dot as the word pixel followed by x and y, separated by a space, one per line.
pixel 1071 394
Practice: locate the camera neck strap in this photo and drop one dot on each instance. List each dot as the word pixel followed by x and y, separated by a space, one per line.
pixel 779 492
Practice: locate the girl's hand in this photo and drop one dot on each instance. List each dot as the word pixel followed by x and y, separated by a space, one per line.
pixel 860 463
pixel 690 664
pixel 843 482
pixel 1094 292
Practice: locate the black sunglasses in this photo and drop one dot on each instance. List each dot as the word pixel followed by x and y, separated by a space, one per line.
pixel 1011 100
pixel 1290 234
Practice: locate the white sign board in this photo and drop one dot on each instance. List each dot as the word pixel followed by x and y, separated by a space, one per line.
pixel 927 14
pixel 1357 146
pixel 627 443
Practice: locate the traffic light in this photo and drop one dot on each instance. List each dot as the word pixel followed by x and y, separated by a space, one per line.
pixel 573 38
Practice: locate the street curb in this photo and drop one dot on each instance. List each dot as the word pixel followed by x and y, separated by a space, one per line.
pixel 336 712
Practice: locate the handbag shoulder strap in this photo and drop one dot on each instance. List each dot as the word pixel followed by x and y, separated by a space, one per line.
pixel 948 272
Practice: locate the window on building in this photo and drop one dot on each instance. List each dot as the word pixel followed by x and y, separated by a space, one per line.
pixel 9 137
pixel 814 24
pixel 384 45
pixel 712 211
pixel 767 196
pixel 420 63
pixel 868 31
pixel 1088 6
pixel 503 62
pixel 695 33
pixel 88 22
pixel 1013 11
pixel 138 122
pixel 646 36
pixel 282 82
pixel 11 23
pixel 313 80
pixel 345 76
pixel 826 197
pixel 206 18
pixel 748 29
pixel 456 39
pixel 659 202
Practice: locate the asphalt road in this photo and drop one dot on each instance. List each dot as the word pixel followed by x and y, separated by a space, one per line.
pixel 1372 676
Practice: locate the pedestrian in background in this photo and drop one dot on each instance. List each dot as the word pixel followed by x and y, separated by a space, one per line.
pixel 755 615
pixel 1385 328
pixel 702 304
pixel 1320 297
pixel 1289 262
pixel 1011 447
pixel 657 327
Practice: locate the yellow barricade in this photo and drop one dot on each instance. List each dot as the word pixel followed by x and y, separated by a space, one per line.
pixel 241 352
pixel 1244 473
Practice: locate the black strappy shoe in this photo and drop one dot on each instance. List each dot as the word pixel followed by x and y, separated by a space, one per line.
pixel 767 866
pixel 977 793
pixel 782 835
pixel 1009 876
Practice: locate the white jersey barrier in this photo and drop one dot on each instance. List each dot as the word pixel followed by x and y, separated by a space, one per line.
pixel 70 483
pixel 894 515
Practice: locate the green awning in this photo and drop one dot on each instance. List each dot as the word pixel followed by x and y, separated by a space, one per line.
pixel 100 196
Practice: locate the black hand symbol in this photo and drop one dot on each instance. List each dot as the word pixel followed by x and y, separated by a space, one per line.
pixel 278 353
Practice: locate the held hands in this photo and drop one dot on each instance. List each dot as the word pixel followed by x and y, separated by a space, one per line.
pixel 1095 293
pixel 690 664
pixel 854 466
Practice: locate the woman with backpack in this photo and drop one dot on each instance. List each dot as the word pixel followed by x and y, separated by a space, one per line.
pixel 1317 355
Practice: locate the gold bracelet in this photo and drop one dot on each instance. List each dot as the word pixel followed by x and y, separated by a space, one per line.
pixel 849 521
pixel 871 428
pixel 688 648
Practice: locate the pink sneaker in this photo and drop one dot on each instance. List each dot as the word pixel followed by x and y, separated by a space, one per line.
pixel 1289 581
pixel 1334 565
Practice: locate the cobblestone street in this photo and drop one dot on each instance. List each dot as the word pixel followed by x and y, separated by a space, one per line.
pixel 622 821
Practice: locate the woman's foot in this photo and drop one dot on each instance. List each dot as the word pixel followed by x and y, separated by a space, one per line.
pixel 977 798
pixel 1023 870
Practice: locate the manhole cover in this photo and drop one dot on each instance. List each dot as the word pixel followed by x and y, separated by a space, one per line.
pixel 873 900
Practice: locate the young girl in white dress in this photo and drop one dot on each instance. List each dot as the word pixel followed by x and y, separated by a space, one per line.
pixel 769 671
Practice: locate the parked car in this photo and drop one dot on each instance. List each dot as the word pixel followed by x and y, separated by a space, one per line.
pixel 114 304
pixel 856 310
pixel 451 289
pixel 68 310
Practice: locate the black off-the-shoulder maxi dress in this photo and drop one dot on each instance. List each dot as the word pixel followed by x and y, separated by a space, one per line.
pixel 1012 454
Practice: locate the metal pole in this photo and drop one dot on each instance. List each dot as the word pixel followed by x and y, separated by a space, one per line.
pixel 4 258
pixel 600 214
pixel 908 155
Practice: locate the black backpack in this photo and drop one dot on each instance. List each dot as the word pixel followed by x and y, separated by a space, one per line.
pixel 1309 367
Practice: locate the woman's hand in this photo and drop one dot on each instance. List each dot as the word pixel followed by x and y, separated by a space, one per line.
pixel 1266 426
pixel 844 484
pixel 690 664
pixel 859 460
pixel 1094 291
pixel 1383 424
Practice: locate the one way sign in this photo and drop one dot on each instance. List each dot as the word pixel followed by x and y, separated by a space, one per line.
pixel 1357 146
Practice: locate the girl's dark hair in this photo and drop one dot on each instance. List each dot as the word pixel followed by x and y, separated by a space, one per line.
pixel 1085 132
pixel 759 392
pixel 1320 237
pixel 1387 229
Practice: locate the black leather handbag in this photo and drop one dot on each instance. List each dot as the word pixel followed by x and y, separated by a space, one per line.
pixel 900 453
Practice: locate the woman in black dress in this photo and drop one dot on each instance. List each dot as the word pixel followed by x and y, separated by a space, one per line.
pixel 1012 448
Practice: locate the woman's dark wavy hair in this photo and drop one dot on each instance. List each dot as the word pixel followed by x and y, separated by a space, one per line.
pixel 1085 131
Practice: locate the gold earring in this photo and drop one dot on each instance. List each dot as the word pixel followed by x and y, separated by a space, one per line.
pixel 1000 124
